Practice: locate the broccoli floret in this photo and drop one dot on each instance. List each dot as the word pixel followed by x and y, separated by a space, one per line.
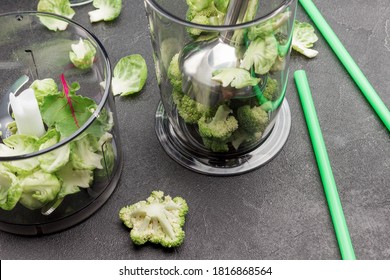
pixel 159 220
pixel 271 89
pixel 174 73
pixel 240 136
pixel 220 127
pixel 215 145
pixel 190 110
pixel 177 95
pixel 198 19
pixel 252 119
pixel 208 12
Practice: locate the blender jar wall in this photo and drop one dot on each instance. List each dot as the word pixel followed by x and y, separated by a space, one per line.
pixel 172 34
pixel 28 48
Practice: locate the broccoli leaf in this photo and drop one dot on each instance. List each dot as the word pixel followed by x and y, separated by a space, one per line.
pixel 261 54
pixel 84 153
pixel 107 10
pixel 43 87
pixel 10 190
pixel 38 189
pixel 54 160
pixel 304 38
pixel 73 179
pixel 236 77
pixel 82 54
pixel 198 5
pixel 20 144
pixel 59 7
pixel 130 74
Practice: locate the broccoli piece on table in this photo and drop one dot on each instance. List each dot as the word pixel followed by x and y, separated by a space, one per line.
pixel 271 89
pixel 252 119
pixel 174 73
pixel 159 219
pixel 217 130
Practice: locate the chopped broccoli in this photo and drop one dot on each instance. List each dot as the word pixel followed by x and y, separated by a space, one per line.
pixel 209 11
pixel 205 14
pixel 240 136
pixel 190 110
pixel 198 19
pixel 217 130
pixel 159 219
pixel 271 89
pixel 174 73
pixel 252 120
pixel 216 145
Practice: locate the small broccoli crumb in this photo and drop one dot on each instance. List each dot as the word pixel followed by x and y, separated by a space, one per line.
pixel 158 219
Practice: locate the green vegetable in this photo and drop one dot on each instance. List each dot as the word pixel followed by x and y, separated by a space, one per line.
pixel 82 54
pixel 54 160
pixel 202 12
pixel 198 5
pixel 42 88
pixel 39 188
pixel 59 7
pixel 198 19
pixel 84 153
pixel 269 27
pixel 221 5
pixel 241 136
pixel 236 77
pixel 159 219
pixel 174 73
pixel 19 144
pixel 10 190
pixel 130 75
pixel 271 90
pixel 217 130
pixel 261 54
pixel 107 10
pixel 190 110
pixel 252 119
pixel 72 179
pixel 56 111
pixel 304 38
pixel 49 177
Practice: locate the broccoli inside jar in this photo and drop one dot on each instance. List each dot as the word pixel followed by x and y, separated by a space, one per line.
pixel 230 123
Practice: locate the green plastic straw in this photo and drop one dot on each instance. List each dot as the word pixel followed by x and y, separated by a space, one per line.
pixel 348 62
pixel 332 197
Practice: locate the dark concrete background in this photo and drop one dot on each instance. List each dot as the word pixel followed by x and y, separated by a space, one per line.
pixel 276 212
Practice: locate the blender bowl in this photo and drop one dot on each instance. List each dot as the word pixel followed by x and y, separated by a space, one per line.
pixel 60 151
pixel 222 69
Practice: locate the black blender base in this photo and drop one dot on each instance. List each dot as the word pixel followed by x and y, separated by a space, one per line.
pixel 221 164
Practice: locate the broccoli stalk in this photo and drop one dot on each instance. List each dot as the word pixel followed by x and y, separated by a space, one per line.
pixel 159 220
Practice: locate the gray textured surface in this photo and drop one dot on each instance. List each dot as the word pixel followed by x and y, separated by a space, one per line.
pixel 276 212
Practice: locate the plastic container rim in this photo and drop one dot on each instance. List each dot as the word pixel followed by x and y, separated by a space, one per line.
pixel 101 103
pixel 156 7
